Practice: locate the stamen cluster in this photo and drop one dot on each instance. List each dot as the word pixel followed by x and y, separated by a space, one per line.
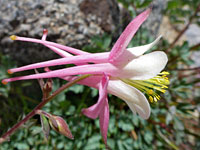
pixel 150 86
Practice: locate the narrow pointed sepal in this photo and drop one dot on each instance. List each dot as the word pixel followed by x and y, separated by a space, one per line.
pixel 101 108
pixel 104 121
pixel 45 126
pixel 124 39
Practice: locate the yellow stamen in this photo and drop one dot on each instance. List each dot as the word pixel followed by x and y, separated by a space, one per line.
pixel 164 73
pixel 151 99
pixel 150 92
pixel 159 83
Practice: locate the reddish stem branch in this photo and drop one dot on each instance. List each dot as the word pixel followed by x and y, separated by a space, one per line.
pixel 184 29
pixel 195 47
pixel 188 69
pixel 39 106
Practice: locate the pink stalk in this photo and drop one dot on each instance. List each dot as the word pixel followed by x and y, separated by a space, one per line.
pixel 55 49
pixel 94 58
pixel 66 48
pixel 44 36
pixel 77 70
pixel 59 51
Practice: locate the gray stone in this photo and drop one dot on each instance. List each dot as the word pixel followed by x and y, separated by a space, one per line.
pixel 69 22
pixel 155 18
pixel 193 37
pixel 193 34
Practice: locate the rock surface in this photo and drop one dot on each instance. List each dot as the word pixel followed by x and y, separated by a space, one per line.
pixel 155 18
pixel 193 37
pixel 69 22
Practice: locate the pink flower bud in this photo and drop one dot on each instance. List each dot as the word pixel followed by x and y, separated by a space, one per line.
pixel 47 88
pixel 59 125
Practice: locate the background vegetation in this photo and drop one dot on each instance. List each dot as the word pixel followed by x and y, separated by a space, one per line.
pixel 174 121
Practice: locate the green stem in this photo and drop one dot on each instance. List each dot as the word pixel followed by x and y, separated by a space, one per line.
pixel 39 106
pixel 167 140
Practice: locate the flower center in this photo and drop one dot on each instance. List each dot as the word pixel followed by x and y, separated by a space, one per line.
pixel 150 86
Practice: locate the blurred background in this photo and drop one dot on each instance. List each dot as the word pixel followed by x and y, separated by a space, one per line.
pixel 94 26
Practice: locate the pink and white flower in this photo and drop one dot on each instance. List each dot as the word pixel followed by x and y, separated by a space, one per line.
pixel 123 72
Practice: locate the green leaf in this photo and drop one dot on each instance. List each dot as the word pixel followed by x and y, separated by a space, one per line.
pixel 167 140
pixel 148 137
pixel 173 4
pixel 93 142
pixel 45 126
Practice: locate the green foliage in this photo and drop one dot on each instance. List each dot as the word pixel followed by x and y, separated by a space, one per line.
pixel 8 115
pixel 136 3
pixel 180 10
pixel 172 125
pixel 99 44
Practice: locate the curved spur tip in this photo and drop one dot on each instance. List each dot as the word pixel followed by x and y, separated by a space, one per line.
pixel 45 31
pixel 13 37
pixel 10 72
pixel 149 10
pixel 4 82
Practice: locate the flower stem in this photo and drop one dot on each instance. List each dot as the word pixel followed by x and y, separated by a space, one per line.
pixel 39 106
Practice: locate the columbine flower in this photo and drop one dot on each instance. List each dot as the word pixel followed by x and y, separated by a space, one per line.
pixel 124 72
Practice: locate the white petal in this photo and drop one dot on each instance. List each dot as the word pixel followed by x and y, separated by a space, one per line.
pixel 144 67
pixel 133 97
pixel 142 113
pixel 140 50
